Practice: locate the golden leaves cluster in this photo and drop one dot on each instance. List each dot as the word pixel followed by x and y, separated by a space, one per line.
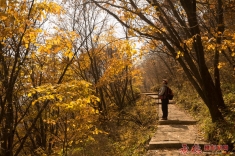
pixel 61 42
pixel 75 104
pixel 123 52
pixel 19 18
pixel 70 95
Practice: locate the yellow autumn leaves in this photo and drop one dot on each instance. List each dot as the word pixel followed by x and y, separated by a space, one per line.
pixel 70 95
pixel 18 19
pixel 61 43
pixel 123 57
pixel 3 3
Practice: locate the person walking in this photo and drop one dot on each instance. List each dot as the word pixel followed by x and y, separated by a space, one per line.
pixel 165 101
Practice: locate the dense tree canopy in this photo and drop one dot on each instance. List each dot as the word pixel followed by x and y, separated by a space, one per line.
pixel 66 75
pixel 189 31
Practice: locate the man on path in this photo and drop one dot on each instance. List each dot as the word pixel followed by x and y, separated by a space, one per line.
pixel 163 96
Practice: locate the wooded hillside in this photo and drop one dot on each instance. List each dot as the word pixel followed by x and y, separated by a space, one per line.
pixel 71 72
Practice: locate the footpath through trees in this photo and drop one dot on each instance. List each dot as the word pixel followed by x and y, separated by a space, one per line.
pixel 179 134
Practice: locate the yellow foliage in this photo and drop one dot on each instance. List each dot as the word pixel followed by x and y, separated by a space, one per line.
pixel 70 95
pixel 131 32
pixel 179 54
pixel 3 16
pixel 61 42
pixel 3 3
pixel 210 47
pixel 221 64
pixel 16 20
pixel 122 58
pixel 73 97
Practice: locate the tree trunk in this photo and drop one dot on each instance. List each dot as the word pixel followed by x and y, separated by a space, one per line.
pixel 211 98
pixel 8 134
pixel 178 31
pixel 220 30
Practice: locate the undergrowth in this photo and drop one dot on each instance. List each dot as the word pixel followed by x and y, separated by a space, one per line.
pixel 221 133
pixel 127 132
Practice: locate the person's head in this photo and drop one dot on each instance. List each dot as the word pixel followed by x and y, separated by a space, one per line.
pixel 165 81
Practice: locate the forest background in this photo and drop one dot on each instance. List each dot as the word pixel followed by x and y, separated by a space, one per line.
pixel 72 72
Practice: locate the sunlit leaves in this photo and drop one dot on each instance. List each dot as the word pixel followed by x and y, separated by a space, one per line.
pixel 221 64
pixel 70 95
pixel 61 42
pixel 128 16
pixel 131 32
pixel 74 106
pixel 19 19
pixel 48 7
pixel 123 52
pixel 30 36
pixel 3 16
pixel 22 35
pixel 179 54
pixel 3 4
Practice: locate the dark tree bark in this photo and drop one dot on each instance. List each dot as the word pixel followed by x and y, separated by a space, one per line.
pixel 212 100
pixel 180 27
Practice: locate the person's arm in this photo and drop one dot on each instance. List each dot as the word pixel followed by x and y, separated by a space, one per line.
pixel 162 90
